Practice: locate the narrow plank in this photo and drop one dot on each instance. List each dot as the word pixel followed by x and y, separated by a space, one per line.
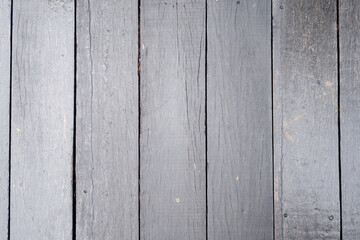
pixel 239 120
pixel 5 28
pixel 107 120
pixel 349 15
pixel 305 120
pixel 42 119
pixel 173 195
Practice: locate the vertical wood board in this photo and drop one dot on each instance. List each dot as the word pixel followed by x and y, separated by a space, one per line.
pixel 173 195
pixel 306 150
pixel 239 120
pixel 42 119
pixel 107 120
pixel 5 31
pixel 349 16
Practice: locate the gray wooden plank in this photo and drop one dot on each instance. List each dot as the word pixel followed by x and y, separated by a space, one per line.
pixel 240 196
pixel 305 120
pixel 42 119
pixel 107 120
pixel 172 143
pixel 349 16
pixel 5 28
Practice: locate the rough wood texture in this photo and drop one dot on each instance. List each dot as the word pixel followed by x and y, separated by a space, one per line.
pixel 173 204
pixel 239 120
pixel 306 120
pixel 107 120
pixel 42 119
pixel 5 28
pixel 349 17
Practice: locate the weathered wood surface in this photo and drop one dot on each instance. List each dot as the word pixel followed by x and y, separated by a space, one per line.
pixel 173 195
pixel 107 120
pixel 306 120
pixel 42 119
pixel 5 30
pixel 239 120
pixel 171 119
pixel 349 16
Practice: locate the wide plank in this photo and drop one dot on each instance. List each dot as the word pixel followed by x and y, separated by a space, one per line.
pixel 240 195
pixel 172 143
pixel 5 31
pixel 42 119
pixel 107 119
pixel 307 204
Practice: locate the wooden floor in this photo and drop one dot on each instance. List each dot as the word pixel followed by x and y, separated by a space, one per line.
pixel 180 119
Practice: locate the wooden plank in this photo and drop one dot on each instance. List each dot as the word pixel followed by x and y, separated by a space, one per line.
pixel 239 120
pixel 349 16
pixel 5 28
pixel 173 195
pixel 107 120
pixel 305 120
pixel 42 119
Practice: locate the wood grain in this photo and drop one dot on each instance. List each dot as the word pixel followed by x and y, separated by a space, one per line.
pixel 349 16
pixel 306 120
pixel 239 120
pixel 173 203
pixel 42 119
pixel 5 29
pixel 107 120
